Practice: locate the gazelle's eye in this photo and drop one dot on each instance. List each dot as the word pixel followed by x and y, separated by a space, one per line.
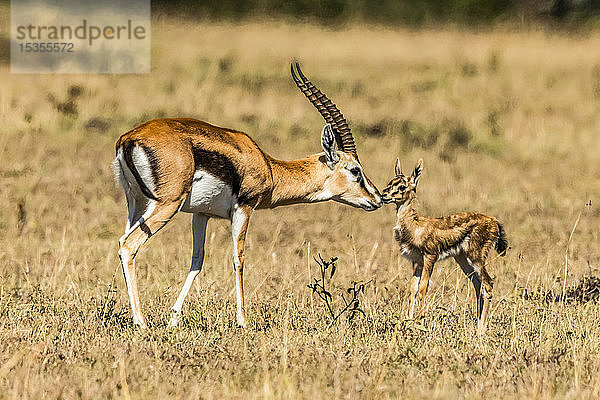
pixel 402 188
pixel 355 171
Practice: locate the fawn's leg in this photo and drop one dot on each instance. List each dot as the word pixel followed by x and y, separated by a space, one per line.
pixel 488 286
pixel 474 276
pixel 414 287
pixel 479 260
pixel 428 263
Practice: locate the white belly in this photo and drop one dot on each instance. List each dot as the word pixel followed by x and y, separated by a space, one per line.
pixel 210 196
pixel 455 250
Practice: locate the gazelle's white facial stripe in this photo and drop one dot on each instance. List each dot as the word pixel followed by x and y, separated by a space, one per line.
pixel 368 185
pixel 365 182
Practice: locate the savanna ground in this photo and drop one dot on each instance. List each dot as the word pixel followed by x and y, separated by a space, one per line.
pixel 507 124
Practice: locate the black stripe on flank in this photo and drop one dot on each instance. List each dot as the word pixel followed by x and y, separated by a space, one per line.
pixel 218 165
pixel 127 150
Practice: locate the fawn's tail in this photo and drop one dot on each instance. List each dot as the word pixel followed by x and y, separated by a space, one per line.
pixel 502 242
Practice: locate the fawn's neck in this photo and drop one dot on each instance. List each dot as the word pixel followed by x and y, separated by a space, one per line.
pixel 407 217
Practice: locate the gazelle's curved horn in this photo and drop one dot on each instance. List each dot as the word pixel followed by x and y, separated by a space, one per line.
pixel 313 99
pixel 328 110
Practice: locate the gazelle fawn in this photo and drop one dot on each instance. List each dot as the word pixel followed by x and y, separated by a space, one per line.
pixel 180 164
pixel 466 236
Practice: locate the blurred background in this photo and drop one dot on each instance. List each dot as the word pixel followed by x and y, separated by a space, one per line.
pixel 413 14
pixel 500 98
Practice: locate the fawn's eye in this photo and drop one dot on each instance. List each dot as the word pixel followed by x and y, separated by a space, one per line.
pixel 402 188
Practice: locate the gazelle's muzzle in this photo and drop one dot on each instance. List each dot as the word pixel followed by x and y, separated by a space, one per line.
pixel 375 201
pixel 386 200
pixel 372 206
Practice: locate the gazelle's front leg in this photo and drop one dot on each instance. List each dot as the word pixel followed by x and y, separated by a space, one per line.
pixel 428 263
pixel 239 225
pixel 414 287
pixel 199 222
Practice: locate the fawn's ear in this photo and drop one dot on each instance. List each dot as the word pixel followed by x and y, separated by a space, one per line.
pixel 416 174
pixel 329 146
pixel 398 167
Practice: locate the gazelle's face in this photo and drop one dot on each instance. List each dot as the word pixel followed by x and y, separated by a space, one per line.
pixel 398 190
pixel 402 187
pixel 346 182
pixel 349 184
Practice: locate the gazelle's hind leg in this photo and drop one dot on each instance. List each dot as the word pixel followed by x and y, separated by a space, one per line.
pixel 154 218
pixel 137 203
pixel 479 258
pixel 136 207
pixel 474 276
pixel 199 223
pixel 488 286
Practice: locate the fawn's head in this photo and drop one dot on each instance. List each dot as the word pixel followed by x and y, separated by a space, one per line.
pixel 402 188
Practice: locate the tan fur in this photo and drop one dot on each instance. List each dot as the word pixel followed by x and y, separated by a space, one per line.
pixel 178 148
pixel 466 236
pixel 174 141
pixel 171 165
pixel 265 181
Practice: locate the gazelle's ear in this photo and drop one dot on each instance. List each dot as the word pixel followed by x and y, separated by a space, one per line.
pixel 416 174
pixel 329 146
pixel 398 167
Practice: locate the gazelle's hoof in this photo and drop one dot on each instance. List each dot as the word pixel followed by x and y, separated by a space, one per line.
pixel 172 324
pixel 140 323
pixel 481 330
pixel 141 326
pixel 174 321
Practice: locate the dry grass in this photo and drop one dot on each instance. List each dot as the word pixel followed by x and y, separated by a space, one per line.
pixel 506 123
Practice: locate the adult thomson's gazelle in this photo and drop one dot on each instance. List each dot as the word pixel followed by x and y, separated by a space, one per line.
pixel 171 165
pixel 466 236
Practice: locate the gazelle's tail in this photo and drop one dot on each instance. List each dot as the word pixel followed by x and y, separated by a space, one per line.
pixel 501 243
